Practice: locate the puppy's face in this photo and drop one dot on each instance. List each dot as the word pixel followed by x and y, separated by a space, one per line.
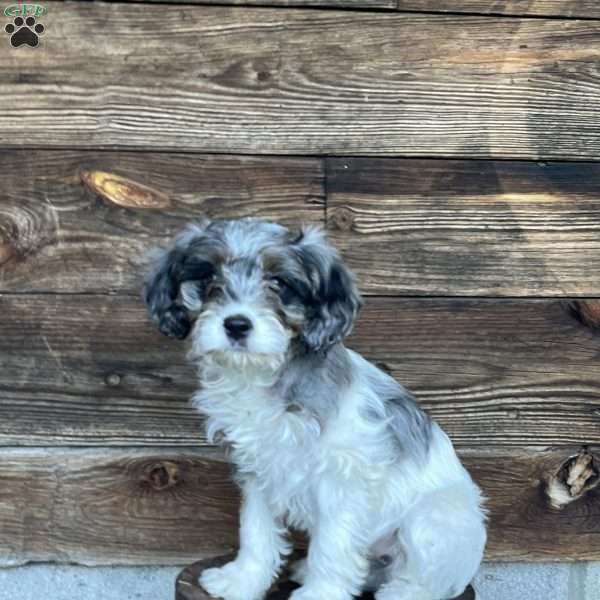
pixel 250 289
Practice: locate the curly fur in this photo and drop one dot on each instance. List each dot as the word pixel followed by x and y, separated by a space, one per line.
pixel 321 439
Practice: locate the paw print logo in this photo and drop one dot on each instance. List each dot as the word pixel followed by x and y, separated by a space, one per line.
pixel 24 32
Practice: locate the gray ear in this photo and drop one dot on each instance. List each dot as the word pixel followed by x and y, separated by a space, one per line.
pixel 169 269
pixel 336 299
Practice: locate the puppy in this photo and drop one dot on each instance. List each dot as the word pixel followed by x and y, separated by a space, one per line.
pixel 322 440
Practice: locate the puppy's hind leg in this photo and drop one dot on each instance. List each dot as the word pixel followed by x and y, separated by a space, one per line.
pixel 393 582
pixel 443 536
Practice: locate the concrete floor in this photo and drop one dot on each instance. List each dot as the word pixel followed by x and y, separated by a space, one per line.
pixel 496 581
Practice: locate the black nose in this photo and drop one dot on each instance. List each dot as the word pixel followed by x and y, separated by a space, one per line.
pixel 237 327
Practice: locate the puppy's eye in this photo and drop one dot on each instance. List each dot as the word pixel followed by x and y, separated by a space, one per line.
pixel 207 277
pixel 198 270
pixel 278 283
pixel 285 291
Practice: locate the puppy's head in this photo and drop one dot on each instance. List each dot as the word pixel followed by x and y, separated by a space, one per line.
pixel 251 289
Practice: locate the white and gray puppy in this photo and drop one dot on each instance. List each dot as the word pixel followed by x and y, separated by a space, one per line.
pixel 322 440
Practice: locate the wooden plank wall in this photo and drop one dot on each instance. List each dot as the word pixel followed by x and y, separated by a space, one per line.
pixel 452 156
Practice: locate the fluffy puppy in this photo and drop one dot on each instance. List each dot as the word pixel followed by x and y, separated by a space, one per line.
pixel 322 440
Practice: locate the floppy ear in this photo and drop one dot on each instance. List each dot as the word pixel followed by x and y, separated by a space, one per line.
pixel 336 299
pixel 170 269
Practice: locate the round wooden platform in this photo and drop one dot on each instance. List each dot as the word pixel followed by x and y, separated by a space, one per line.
pixel 187 587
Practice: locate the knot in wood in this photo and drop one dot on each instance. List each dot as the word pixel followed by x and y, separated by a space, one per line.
pixel 577 476
pixel 113 380
pixel 586 312
pixel 124 192
pixel 162 475
pixel 7 253
pixel 342 219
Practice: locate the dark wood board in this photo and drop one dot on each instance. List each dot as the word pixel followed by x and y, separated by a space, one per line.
pixel 523 525
pixel 260 80
pixel 166 506
pixel 586 9
pixel 407 226
pixel 58 236
pixel 92 371
pixel 467 228
pixel 121 506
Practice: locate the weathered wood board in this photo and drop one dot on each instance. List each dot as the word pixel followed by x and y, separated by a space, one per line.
pixel 360 4
pixel 407 226
pixel 58 236
pixel 260 80
pixel 467 228
pixel 102 459
pixel 115 506
pixel 92 371
pixel 586 9
pixel 167 506
pixel 523 525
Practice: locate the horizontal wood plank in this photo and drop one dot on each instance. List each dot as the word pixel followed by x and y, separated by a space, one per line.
pixel 92 371
pixel 506 373
pixel 446 227
pixel 523 525
pixel 168 506
pixel 56 235
pixel 260 80
pixel 467 228
pixel 115 506
pixel 362 4
pixel 586 9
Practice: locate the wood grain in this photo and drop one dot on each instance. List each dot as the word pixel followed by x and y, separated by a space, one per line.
pixel 58 236
pixel 506 373
pixel 467 228
pixel 362 4
pixel 92 371
pixel 523 525
pixel 259 80
pixel 168 506
pixel 115 506
pixel 549 8
pixel 446 227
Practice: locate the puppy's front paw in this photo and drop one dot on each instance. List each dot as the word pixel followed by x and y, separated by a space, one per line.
pixel 234 582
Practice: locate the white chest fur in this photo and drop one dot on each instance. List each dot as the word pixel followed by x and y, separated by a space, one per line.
pixel 276 444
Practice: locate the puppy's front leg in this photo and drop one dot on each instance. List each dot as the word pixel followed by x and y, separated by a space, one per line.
pixel 262 544
pixel 336 567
